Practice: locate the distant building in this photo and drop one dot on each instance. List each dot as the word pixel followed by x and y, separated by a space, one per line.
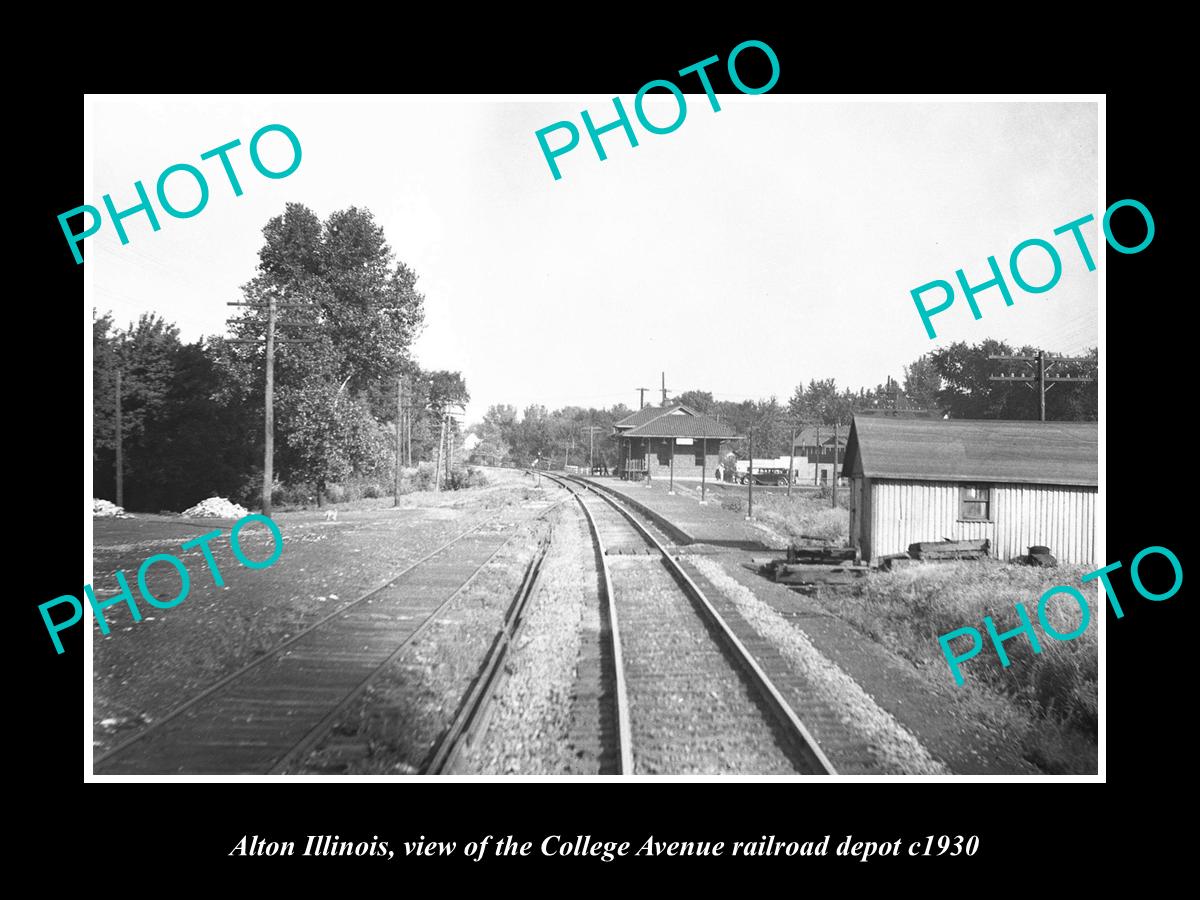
pixel 1018 484
pixel 647 439
pixel 816 444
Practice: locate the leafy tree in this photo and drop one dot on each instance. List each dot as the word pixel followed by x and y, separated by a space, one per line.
pixel 922 382
pixel 338 286
pixel 968 392
pixel 797 404
pixel 701 401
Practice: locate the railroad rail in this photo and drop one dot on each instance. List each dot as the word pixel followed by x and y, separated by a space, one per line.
pixel 475 709
pixel 690 696
pixel 267 715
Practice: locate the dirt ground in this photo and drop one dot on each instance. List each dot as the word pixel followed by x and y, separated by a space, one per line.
pixel 143 669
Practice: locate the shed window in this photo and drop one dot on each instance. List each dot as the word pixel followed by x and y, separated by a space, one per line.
pixel 975 503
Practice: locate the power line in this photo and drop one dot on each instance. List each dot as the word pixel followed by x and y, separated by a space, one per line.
pixel 1041 380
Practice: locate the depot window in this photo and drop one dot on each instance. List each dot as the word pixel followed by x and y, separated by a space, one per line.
pixel 975 503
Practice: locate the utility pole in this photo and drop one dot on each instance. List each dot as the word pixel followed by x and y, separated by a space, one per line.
pixel 437 465
pixel 591 432
pixel 120 461
pixel 833 475
pixel 408 417
pixel 272 307
pixel 791 462
pixel 399 416
pixel 269 413
pixel 641 397
pixel 817 467
pixel 750 480
pixel 1039 379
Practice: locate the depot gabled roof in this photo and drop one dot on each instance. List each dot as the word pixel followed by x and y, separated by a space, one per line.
pixel 648 414
pixel 973 450
pixel 679 421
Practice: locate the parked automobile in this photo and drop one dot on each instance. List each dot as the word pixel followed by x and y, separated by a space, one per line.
pixel 767 476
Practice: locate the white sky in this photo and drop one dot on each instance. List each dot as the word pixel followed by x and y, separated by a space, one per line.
pixel 752 249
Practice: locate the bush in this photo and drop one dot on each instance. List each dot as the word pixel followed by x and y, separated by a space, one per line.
pixel 372 491
pixel 465 478
pixel 422 479
pixel 733 504
pixel 293 494
pixel 909 608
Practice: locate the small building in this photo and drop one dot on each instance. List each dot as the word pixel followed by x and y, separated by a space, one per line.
pixel 647 440
pixel 822 451
pixel 1017 484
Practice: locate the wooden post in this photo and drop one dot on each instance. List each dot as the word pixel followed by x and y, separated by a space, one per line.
pixel 269 414
pixel 671 483
pixel 703 468
pixel 400 413
pixel 647 462
pixel 120 460
pixel 791 462
pixel 833 474
pixel 750 480
pixel 437 468
pixel 1041 364
pixel 817 467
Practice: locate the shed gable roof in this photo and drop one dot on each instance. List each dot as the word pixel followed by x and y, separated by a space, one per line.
pixel 974 450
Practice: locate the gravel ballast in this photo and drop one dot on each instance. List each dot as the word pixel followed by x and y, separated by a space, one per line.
pixel 897 750
pixel 530 725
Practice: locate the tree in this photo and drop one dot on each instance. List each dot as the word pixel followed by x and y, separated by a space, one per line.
pixel 796 405
pixel 331 436
pixel 771 431
pixel 701 401
pixel 181 442
pixel 339 285
pixel 922 382
pixel 968 392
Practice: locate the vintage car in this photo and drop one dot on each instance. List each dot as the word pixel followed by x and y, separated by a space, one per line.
pixel 766 476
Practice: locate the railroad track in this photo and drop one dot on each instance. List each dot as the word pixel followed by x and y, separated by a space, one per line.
pixel 690 697
pixel 268 715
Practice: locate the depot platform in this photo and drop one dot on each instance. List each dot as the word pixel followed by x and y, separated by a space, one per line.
pixel 683 517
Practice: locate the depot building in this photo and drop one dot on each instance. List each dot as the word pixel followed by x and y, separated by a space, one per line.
pixel 655 438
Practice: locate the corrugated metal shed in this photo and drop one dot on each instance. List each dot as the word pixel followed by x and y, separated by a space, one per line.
pixel 900 513
pixel 954 450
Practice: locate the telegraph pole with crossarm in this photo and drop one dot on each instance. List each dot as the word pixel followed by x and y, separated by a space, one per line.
pixel 1040 379
pixel 272 306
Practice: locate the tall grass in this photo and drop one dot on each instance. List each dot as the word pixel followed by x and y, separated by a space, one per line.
pixel 803 517
pixel 908 609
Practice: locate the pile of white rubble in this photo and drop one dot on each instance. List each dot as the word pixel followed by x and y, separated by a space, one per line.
pixel 216 508
pixel 103 509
